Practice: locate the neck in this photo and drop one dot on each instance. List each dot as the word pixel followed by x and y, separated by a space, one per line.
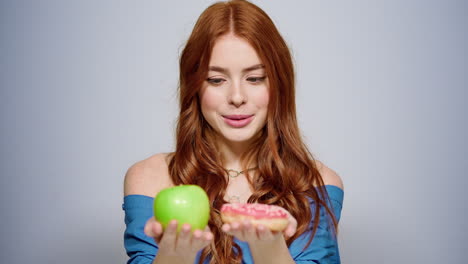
pixel 231 153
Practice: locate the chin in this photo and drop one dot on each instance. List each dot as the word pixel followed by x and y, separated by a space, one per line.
pixel 244 137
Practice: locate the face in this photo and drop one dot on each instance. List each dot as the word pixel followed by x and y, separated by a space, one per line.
pixel 234 96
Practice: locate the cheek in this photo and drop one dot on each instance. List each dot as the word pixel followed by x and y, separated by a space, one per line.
pixel 262 98
pixel 209 101
pixel 265 99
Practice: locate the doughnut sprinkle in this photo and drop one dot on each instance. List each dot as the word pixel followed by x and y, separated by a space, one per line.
pixel 271 216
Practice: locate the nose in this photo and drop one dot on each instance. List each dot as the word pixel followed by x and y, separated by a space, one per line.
pixel 237 95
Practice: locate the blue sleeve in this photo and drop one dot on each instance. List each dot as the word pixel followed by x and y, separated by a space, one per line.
pixel 140 248
pixel 324 247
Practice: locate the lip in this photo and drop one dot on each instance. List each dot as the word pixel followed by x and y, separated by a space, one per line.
pixel 237 117
pixel 238 121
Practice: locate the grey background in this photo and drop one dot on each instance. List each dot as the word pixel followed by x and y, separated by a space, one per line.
pixel 89 87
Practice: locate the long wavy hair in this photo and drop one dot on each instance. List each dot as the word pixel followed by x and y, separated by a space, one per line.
pixel 287 175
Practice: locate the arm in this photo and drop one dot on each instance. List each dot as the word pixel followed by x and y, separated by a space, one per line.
pixel 263 242
pixel 322 249
pixel 270 247
pixel 262 252
pixel 324 246
pixel 142 181
pixel 144 239
pixel 139 247
pixel 177 247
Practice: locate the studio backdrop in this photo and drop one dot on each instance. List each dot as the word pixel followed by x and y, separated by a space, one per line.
pixel 88 88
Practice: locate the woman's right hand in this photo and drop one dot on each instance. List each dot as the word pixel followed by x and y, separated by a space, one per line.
pixel 181 247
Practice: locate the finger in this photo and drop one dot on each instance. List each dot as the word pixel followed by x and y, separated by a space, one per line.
pixel 226 228
pixel 237 231
pixel 183 239
pixel 153 228
pixel 291 228
pixel 170 235
pixel 196 238
pixel 201 239
pixel 235 228
pixel 157 231
pixel 264 233
pixel 208 236
pixel 289 231
pixel 249 231
pixel 148 230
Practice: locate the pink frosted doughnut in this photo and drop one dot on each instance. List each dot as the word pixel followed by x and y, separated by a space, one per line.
pixel 271 216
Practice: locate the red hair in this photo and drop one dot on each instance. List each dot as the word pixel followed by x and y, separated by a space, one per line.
pixel 287 172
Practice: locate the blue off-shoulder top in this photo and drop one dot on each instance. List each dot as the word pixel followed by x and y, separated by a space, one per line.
pixel 324 247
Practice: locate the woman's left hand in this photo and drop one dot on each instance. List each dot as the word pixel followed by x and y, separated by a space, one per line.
pixel 246 231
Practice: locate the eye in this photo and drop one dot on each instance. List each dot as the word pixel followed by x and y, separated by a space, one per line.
pixel 256 79
pixel 215 81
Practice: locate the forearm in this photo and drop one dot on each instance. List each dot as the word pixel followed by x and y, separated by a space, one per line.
pixel 274 252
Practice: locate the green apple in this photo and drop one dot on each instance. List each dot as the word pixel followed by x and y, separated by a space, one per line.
pixel 185 203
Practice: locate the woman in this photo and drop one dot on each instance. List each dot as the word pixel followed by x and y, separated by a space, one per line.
pixel 237 138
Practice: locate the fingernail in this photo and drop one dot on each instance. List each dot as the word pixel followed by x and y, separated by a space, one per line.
pixel 197 233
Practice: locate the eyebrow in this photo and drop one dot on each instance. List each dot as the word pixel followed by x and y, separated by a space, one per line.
pixel 225 71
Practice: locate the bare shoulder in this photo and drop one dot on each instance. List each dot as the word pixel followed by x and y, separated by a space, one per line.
pixel 329 176
pixel 148 176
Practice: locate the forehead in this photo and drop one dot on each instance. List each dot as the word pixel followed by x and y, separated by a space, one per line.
pixel 233 52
